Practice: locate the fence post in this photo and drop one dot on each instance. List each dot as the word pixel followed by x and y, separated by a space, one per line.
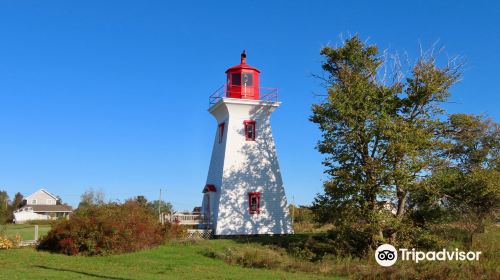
pixel 36 232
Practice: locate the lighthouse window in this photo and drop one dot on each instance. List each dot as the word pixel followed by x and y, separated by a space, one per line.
pixel 250 130
pixel 221 132
pixel 247 79
pixel 236 79
pixel 254 202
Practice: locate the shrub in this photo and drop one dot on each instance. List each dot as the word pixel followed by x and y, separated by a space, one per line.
pixel 8 243
pixel 5 243
pixel 174 231
pixel 106 229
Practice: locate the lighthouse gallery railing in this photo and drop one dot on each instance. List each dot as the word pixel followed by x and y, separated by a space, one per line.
pixel 266 94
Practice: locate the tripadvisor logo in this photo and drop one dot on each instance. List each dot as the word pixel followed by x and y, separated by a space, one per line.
pixel 387 255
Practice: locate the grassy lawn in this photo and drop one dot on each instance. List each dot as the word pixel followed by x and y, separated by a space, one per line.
pixel 171 261
pixel 26 231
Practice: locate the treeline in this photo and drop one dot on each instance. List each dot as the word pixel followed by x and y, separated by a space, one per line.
pixel 93 197
pixel 398 166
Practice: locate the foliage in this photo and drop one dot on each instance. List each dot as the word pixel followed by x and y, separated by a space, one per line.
pixel 17 202
pixel 378 136
pixel 105 229
pixel 155 205
pixel 92 197
pixel 5 243
pixel 4 207
pixel 9 242
pixel 301 213
pixel 464 184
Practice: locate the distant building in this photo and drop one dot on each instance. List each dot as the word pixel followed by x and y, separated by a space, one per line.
pixel 41 205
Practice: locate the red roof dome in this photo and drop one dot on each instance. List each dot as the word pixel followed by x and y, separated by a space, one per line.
pixel 242 65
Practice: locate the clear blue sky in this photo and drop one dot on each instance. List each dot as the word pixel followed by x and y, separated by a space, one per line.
pixel 114 94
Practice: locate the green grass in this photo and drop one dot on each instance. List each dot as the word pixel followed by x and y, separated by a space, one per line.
pixel 26 231
pixel 170 261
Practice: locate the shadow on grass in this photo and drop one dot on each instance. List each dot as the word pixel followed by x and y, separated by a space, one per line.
pixel 291 243
pixel 307 246
pixel 80 272
pixel 283 241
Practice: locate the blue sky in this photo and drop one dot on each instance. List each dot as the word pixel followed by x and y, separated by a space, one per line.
pixel 114 94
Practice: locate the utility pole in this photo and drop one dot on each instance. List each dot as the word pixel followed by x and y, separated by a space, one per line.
pixel 293 209
pixel 159 208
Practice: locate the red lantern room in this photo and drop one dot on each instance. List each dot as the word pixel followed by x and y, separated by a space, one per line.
pixel 243 80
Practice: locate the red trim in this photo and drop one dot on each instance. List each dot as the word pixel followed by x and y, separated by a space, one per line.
pixel 221 131
pixel 209 188
pixel 255 195
pixel 246 123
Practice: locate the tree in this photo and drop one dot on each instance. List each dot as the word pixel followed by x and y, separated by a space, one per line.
pixel 15 204
pixel 152 206
pixel 91 197
pixel 467 181
pixel 142 200
pixel 4 207
pixel 165 207
pixel 377 135
pixel 18 201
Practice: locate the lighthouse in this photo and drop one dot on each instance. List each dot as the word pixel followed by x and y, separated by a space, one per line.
pixel 244 193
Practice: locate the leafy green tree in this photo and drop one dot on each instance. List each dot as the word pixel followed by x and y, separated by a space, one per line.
pixel 467 182
pixel 377 135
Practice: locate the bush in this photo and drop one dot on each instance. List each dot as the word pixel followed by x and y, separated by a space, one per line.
pixel 174 231
pixel 106 229
pixel 8 243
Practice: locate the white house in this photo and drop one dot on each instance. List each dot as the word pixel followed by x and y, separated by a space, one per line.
pixel 41 205
pixel 244 192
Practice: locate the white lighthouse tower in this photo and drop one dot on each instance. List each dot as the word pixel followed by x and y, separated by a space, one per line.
pixel 244 192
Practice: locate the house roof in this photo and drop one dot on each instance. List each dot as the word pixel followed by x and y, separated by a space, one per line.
pixel 50 208
pixel 41 190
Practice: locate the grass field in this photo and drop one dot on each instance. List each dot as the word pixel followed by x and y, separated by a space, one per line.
pixel 208 259
pixel 26 231
pixel 170 261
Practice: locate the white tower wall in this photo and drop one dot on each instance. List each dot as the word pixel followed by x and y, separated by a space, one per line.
pixel 238 167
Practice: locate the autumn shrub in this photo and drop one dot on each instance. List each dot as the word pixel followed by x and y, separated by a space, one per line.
pixel 174 231
pixel 9 242
pixel 106 229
